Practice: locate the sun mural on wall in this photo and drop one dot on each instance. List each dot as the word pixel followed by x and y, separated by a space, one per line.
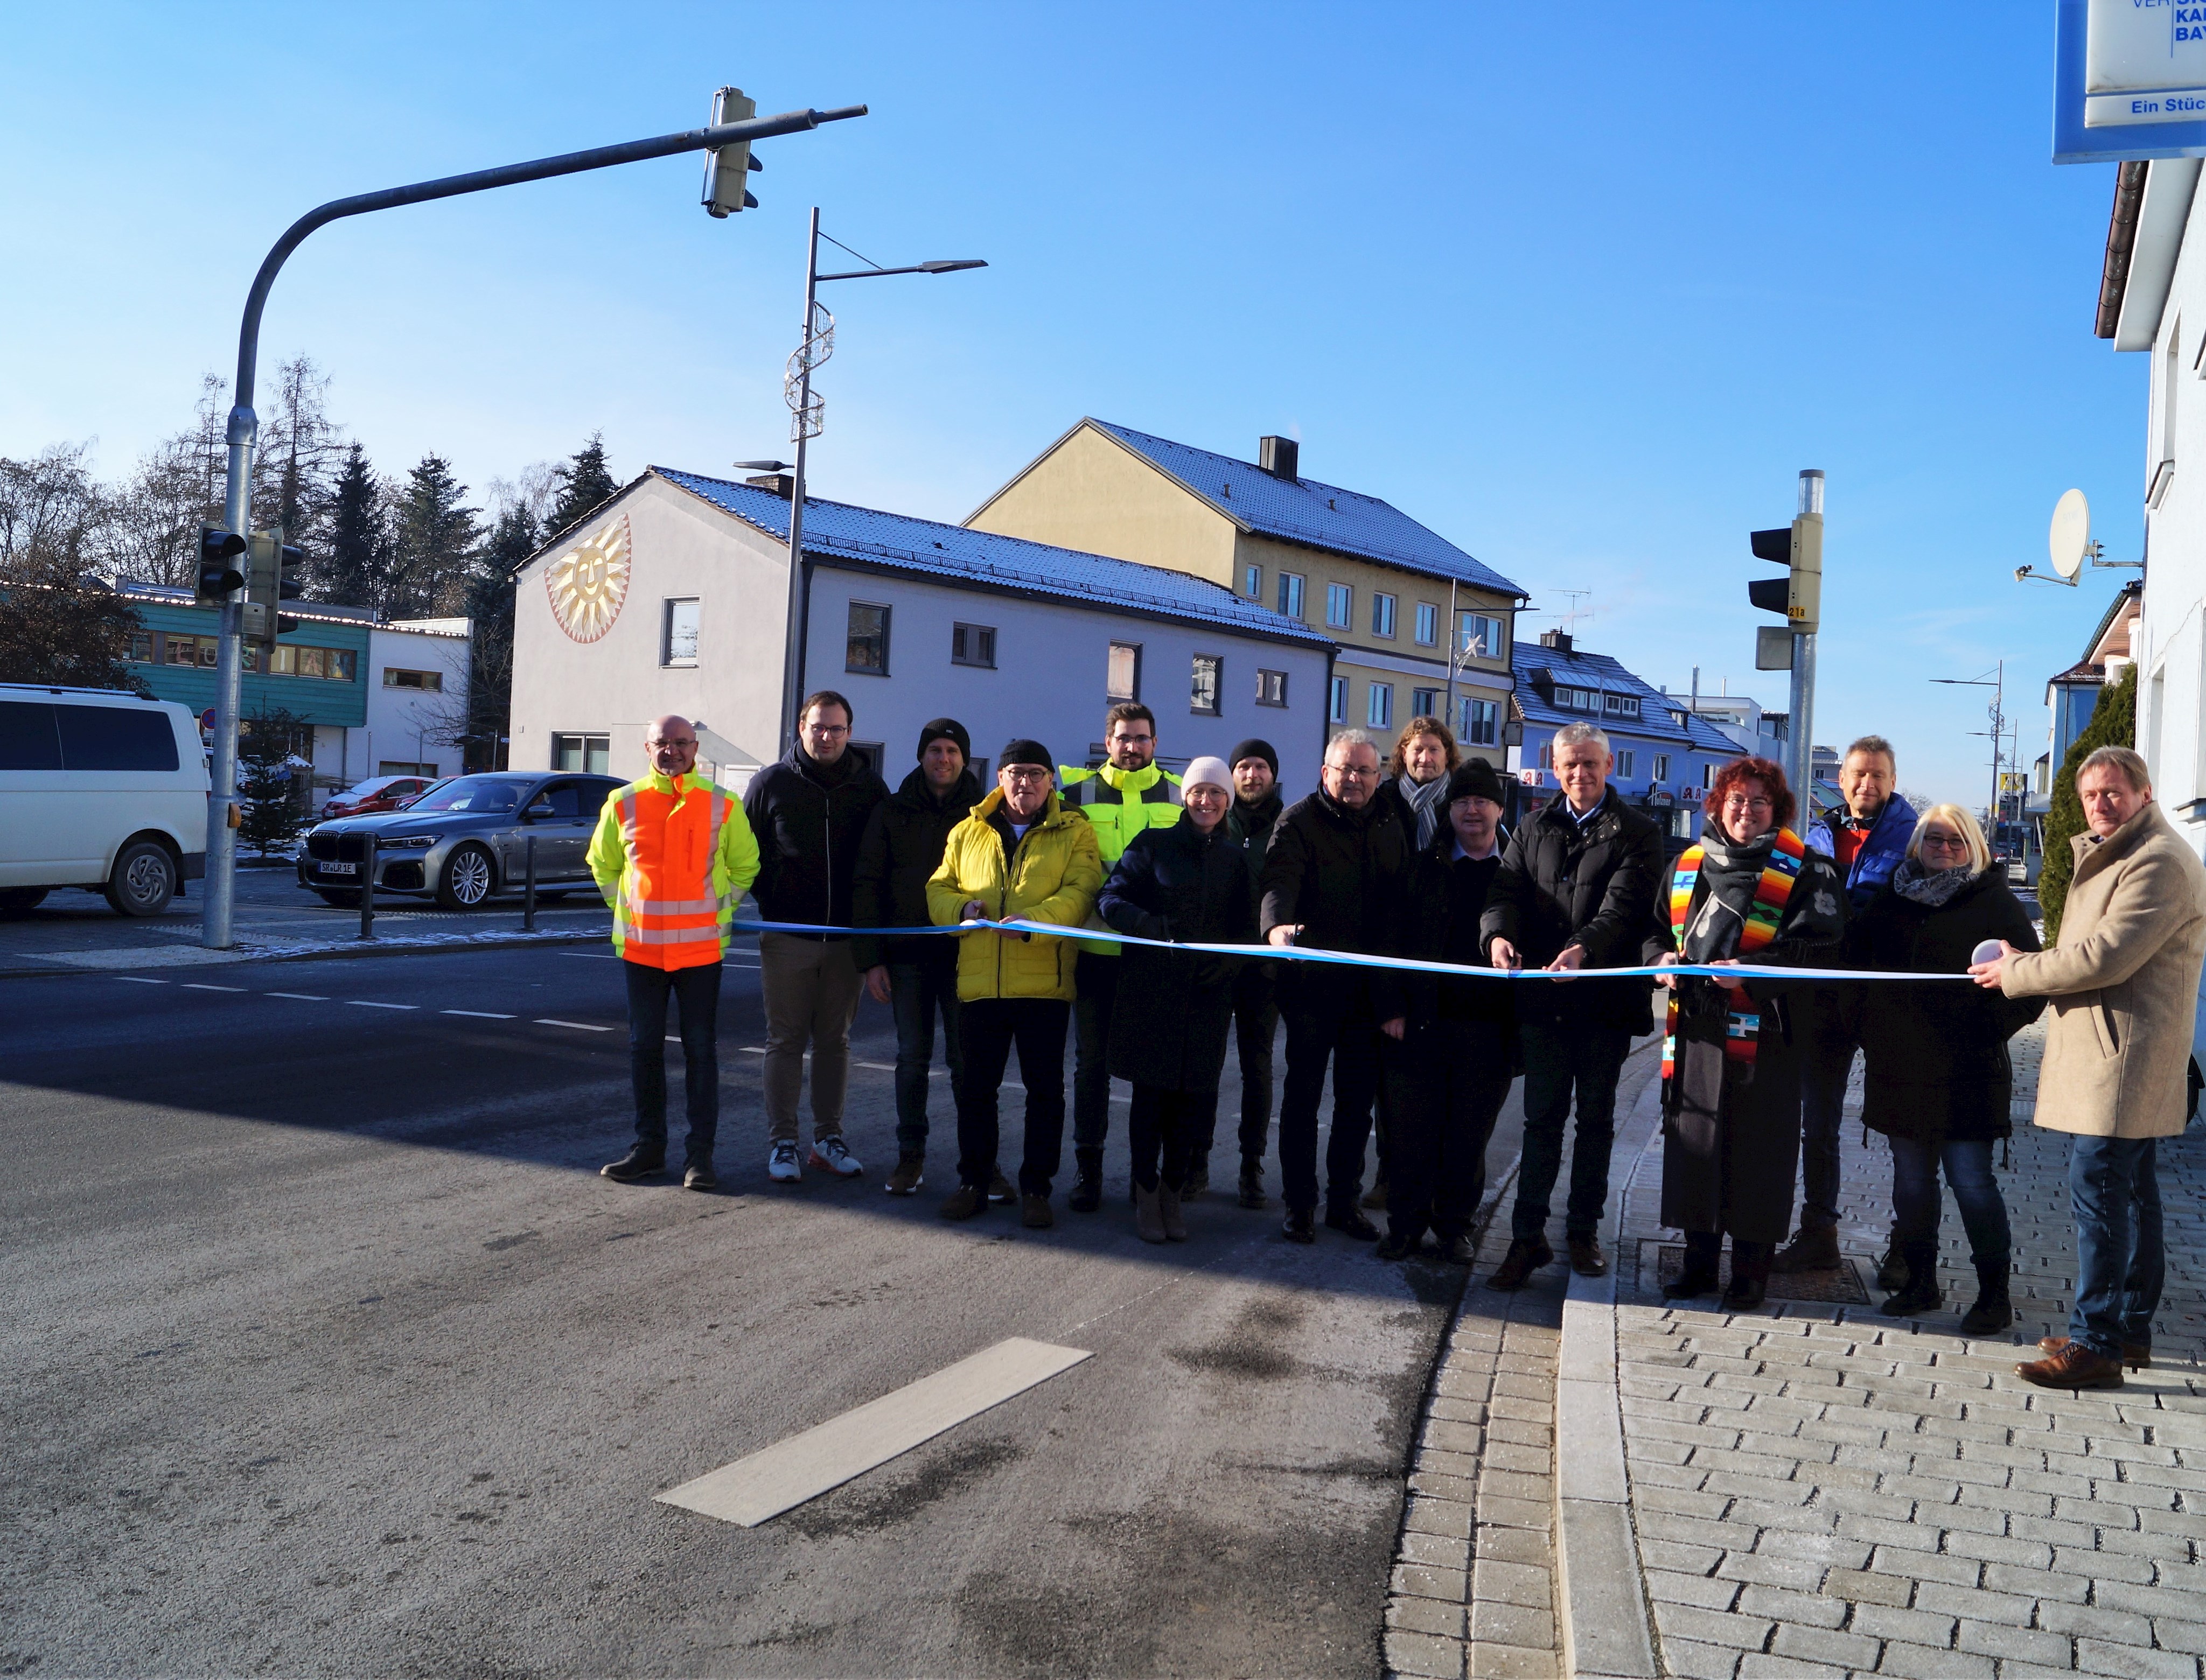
pixel 588 583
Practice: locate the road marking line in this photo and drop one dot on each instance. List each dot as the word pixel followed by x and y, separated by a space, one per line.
pixel 201 986
pixel 778 1477
pixel 578 1026
pixel 878 1067
pixel 140 980
pixel 478 1015
pixel 303 996
pixel 752 1049
pixel 363 1004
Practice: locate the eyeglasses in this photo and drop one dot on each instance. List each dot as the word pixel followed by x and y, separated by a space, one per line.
pixel 1359 771
pixel 1025 773
pixel 1741 802
pixel 827 729
pixel 1932 841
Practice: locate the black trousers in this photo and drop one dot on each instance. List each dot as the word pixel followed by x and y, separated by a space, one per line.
pixel 1091 1053
pixel 1562 1059
pixel 1318 1031
pixel 1255 1028
pixel 990 1026
pixel 1170 1124
pixel 696 993
pixel 1448 1080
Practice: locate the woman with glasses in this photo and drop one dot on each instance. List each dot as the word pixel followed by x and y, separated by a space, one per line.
pixel 1936 1079
pixel 1749 892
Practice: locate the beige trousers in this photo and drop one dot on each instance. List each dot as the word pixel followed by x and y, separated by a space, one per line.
pixel 811 988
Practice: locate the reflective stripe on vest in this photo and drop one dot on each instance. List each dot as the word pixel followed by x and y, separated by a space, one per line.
pixel 660 919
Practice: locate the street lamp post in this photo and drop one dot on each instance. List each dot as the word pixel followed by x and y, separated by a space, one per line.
pixel 815 344
pixel 244 426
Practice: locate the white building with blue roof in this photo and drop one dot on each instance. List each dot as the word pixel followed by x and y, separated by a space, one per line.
pixel 1666 757
pixel 673 596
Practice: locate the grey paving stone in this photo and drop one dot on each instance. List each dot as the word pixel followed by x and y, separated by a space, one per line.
pixel 1490 1661
pixel 2038 1583
pixel 1423 1581
pixel 1458 1488
pixel 1446 1436
pixel 1513 1484
pixel 1684 1501
pixel 2133 1662
pixel 1786 1605
pixel 2091 1621
pixel 1711 1627
pixel 1674 1586
pixel 1829 1550
pixel 1975 1603
pixel 1427 1616
pixel 2171 1635
pixel 1826 1645
pixel 1434 1461
pixel 1408 1653
pixel 1506 1583
pixel 1499 1623
pixel 1917 1627
pixel 1767 1489
pixel 1801 1573
pixel 1441 1550
pixel 1999 1549
pixel 1925 1662
pixel 2144 1600
pixel 1696 1531
pixel 1515 1513
pixel 2113 1566
pixel 1691 1661
pixel 1513 1546
pixel 1451 1517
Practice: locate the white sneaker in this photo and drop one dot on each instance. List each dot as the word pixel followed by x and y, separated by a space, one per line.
pixel 781 1165
pixel 830 1156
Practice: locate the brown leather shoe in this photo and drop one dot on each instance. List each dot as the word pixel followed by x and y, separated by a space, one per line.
pixel 2137 1355
pixel 1035 1214
pixel 1586 1257
pixel 1815 1250
pixel 2073 1367
pixel 1526 1255
pixel 964 1202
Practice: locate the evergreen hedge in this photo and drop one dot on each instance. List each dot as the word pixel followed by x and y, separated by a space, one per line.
pixel 2114 723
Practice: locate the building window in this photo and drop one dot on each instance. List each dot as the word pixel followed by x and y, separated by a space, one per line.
pixel 192 650
pixel 1662 766
pixel 1290 594
pixel 1620 706
pixel 1425 702
pixel 1478 635
pixel 590 753
pixel 1271 687
pixel 1480 723
pixel 677 644
pixel 1625 762
pixel 1578 699
pixel 1336 710
pixel 1203 699
pixel 973 645
pixel 141 646
pixel 402 767
pixel 1252 583
pixel 1546 755
pixel 1382 614
pixel 1340 606
pixel 1428 624
pixel 337 664
pixel 432 681
pixel 1122 679
pixel 1379 708
pixel 866 648
pixel 1709 774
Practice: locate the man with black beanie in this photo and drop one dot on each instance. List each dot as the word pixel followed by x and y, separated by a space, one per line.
pixel 916 976
pixel 1254 765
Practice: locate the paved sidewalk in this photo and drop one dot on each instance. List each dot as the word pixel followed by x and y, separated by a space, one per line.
pixel 1819 1490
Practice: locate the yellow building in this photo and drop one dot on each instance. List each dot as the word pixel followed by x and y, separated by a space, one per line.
pixel 1379 584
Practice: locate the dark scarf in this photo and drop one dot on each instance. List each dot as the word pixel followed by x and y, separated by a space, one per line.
pixel 1931 888
pixel 1424 800
pixel 1731 873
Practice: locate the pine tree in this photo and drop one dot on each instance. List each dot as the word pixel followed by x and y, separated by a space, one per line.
pixel 489 606
pixel 2114 723
pixel 585 482
pixel 272 815
pixel 299 447
pixel 434 538
pixel 349 569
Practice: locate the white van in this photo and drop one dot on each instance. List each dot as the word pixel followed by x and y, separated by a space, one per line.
pixel 98 789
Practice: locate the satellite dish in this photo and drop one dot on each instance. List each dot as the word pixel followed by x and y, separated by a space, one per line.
pixel 2070 539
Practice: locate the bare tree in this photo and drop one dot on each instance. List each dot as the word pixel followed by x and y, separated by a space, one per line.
pixel 49 506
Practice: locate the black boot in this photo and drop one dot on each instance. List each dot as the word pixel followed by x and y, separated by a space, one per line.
pixel 1750 1275
pixel 1252 1182
pixel 1703 1251
pixel 1921 1293
pixel 1087 1192
pixel 1891 1269
pixel 1993 1312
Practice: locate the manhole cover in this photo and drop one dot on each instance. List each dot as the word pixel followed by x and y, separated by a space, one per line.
pixel 1842 1287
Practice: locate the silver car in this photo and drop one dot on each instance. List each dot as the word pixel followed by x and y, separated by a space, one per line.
pixel 465 841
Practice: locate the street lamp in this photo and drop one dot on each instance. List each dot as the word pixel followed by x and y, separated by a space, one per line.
pixel 805 411
pixel 1997 682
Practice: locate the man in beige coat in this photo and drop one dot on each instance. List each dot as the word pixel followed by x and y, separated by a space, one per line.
pixel 2124 986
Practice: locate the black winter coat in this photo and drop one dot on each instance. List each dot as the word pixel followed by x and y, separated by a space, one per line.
pixel 1174 1009
pixel 1936 1062
pixel 1595 884
pixel 1336 871
pixel 1436 920
pixel 902 847
pixel 809 820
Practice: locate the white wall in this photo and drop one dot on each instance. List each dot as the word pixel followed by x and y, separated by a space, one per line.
pixel 403 725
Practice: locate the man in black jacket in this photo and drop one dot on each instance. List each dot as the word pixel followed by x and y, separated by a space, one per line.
pixel 916 977
pixel 1576 891
pixel 809 812
pixel 1335 863
pixel 1255 815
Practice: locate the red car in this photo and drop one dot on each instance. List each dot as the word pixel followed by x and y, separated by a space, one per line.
pixel 378 793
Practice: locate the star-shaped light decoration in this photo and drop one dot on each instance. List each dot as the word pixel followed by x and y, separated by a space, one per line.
pixel 589 582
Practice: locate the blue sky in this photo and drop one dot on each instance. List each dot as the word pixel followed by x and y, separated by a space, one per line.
pixel 1581 287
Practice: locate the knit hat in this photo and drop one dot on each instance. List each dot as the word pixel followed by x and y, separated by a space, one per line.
pixel 1210 770
pixel 1254 748
pixel 1474 779
pixel 1023 750
pixel 944 729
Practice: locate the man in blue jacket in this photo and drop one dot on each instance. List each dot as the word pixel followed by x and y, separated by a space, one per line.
pixel 1866 841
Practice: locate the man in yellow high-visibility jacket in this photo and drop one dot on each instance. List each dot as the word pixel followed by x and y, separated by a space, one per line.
pixel 672 854
pixel 1120 798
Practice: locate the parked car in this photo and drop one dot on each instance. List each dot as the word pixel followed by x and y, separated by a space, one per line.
pixel 465 841
pixel 377 792
pixel 102 790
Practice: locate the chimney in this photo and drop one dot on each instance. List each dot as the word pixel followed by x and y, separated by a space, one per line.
pixel 1279 456
pixel 783 485
pixel 1558 640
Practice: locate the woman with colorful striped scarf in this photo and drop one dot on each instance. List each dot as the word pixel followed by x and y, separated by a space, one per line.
pixel 1752 892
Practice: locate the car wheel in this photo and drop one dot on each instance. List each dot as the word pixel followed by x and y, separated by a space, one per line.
pixel 144 881
pixel 468 877
pixel 19 900
pixel 343 900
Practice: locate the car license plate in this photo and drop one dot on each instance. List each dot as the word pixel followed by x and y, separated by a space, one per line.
pixel 339 869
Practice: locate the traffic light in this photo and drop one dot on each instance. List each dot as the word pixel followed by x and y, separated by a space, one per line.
pixel 1797 596
pixel 272 578
pixel 726 169
pixel 220 572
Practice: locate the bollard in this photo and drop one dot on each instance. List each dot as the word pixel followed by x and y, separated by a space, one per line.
pixel 367 887
pixel 528 891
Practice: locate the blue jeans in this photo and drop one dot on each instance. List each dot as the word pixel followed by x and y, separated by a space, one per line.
pixel 696 993
pixel 918 992
pixel 1560 1057
pixel 1916 1204
pixel 2114 1189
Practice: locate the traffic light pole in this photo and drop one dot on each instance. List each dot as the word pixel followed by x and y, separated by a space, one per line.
pixel 1803 677
pixel 220 894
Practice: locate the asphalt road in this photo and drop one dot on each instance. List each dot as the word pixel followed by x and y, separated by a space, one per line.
pixel 328 1351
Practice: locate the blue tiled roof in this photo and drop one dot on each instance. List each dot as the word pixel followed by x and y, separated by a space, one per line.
pixel 1578 670
pixel 935 550
pixel 1302 510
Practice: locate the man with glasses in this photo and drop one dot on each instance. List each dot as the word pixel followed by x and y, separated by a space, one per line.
pixel 810 812
pixel 1576 891
pixel 1336 861
pixel 671 855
